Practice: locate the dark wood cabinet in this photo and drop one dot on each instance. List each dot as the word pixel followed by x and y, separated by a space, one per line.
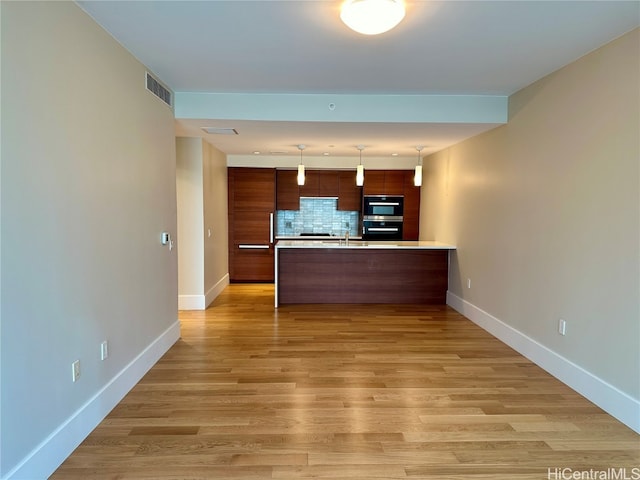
pixel 384 182
pixel 287 190
pixel 411 223
pixel 318 183
pixel 394 182
pixel 397 182
pixel 328 185
pixel 251 197
pixel 374 182
pixel 349 194
pixel 311 184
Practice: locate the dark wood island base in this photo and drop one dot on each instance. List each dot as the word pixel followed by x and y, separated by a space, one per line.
pixel 367 274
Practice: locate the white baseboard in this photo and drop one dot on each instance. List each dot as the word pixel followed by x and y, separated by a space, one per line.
pixel 191 302
pixel 48 456
pixel 614 401
pixel 214 291
pixel 201 302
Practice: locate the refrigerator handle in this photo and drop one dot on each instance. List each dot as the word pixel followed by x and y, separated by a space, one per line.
pixel 271 227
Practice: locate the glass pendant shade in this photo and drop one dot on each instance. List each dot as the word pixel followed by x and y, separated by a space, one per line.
pixel 372 17
pixel 417 178
pixel 360 175
pixel 300 177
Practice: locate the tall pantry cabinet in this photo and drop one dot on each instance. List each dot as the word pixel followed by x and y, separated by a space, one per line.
pixel 252 208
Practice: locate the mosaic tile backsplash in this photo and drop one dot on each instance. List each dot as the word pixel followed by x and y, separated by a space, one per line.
pixel 317 215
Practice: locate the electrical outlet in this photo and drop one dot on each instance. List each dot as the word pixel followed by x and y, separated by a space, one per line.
pixel 468 283
pixel 75 370
pixel 562 327
pixel 346 224
pixel 104 350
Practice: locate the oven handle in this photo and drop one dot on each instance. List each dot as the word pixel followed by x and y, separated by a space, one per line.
pixel 255 247
pixel 395 204
pixel 383 229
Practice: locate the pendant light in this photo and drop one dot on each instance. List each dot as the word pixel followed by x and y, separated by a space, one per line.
pixel 417 178
pixel 301 166
pixel 360 169
pixel 372 17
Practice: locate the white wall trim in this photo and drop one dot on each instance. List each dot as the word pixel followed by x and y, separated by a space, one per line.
pixel 52 451
pixel 214 291
pixel 614 401
pixel 191 302
pixel 201 302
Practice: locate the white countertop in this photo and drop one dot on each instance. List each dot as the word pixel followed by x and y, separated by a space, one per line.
pixel 359 244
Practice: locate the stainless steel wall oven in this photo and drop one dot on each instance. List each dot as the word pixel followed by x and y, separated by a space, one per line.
pixel 382 217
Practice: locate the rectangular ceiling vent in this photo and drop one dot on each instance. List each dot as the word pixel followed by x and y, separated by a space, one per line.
pixel 159 90
pixel 220 130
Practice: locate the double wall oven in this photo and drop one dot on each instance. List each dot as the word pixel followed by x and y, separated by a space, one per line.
pixel 382 217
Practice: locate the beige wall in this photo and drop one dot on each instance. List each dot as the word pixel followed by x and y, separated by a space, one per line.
pixel 203 265
pixel 545 213
pixel 190 242
pixel 216 230
pixel 88 185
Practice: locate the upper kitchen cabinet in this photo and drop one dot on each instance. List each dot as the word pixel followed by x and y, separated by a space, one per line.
pixel 311 184
pixel 384 182
pixel 320 183
pixel 349 194
pixel 328 185
pixel 287 190
pixel 252 201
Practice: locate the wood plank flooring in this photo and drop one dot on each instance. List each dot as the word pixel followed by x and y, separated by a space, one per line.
pixel 346 392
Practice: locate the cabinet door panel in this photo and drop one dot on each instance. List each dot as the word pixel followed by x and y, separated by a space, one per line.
pixel 328 183
pixel 250 227
pixel 251 204
pixel 287 190
pixel 350 195
pixel 411 226
pixel 374 182
pixel 394 182
pixel 252 189
pixel 311 183
pixel 252 265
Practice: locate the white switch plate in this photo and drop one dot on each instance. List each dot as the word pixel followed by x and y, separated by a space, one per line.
pixel 468 283
pixel 75 370
pixel 104 350
pixel 562 327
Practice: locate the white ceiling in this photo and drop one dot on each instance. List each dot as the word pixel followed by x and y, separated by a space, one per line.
pixel 302 47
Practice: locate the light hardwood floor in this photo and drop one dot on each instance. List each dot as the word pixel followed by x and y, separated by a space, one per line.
pixel 346 392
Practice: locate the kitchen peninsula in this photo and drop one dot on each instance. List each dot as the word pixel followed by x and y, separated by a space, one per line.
pixel 334 271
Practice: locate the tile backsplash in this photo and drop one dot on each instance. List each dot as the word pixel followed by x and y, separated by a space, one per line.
pixel 317 215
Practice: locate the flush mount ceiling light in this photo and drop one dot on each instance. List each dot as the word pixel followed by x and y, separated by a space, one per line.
pixel 372 17
pixel 301 166
pixel 417 178
pixel 360 169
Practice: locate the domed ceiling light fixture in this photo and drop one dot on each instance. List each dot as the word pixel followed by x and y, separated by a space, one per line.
pixel 301 166
pixel 417 178
pixel 360 169
pixel 372 17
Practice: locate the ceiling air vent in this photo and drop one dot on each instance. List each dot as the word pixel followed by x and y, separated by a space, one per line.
pixel 155 87
pixel 220 130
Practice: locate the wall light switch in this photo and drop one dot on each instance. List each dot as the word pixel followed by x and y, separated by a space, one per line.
pixel 562 327
pixel 104 350
pixel 75 370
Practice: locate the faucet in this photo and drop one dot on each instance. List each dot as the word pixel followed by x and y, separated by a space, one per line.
pixel 346 238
